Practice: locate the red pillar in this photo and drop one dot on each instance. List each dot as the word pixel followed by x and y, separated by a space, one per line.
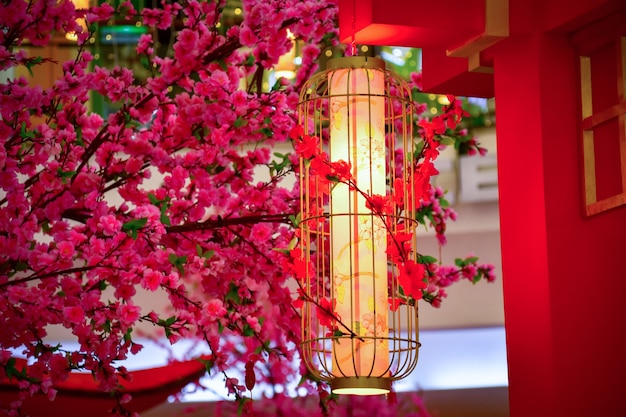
pixel 564 273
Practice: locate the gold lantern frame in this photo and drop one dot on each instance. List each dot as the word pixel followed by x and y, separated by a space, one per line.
pixel 384 347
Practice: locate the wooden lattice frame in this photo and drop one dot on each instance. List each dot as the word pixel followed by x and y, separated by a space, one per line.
pixel 591 120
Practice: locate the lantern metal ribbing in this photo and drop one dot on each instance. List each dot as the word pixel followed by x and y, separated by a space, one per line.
pixel 359 332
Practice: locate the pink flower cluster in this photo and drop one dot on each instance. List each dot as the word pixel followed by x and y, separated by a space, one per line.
pixel 83 225
pixel 160 195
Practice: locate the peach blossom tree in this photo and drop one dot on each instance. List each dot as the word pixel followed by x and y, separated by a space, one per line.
pixel 163 193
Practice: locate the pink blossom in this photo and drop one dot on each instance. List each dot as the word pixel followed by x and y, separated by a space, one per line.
pixel 261 232
pixel 128 314
pixel 151 17
pixel 102 12
pixel 59 369
pixel 233 385
pixel 144 45
pixel 254 324
pixel 66 249
pixel 187 40
pixel 109 224
pixel 214 309
pixel 247 37
pixel 151 279
pixel 74 314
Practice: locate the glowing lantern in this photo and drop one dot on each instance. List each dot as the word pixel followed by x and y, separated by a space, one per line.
pixel 360 329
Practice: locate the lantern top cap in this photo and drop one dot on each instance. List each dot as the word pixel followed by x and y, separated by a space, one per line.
pixel 356 62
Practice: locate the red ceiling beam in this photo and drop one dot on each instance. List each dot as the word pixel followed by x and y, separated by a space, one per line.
pixel 453 36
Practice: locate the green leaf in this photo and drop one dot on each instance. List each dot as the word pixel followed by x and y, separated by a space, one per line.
pixel 426 259
pixel 277 85
pixel 65 175
pixel 276 166
pixel 446 140
pixel 10 369
pixel 295 220
pixel 178 262
pixel 153 199
pixel 132 226
pixel 79 136
pixel 135 224
pixel 21 266
pixel 145 62
pixel 239 122
pixel 293 243
pixel 423 213
pixel 165 219
pixel 31 63
pixel 241 404
pixel 247 330
pixel 208 364
pixel 419 147
pixel 223 65
pixel 167 325
pixel 233 294
pixel 163 206
pixel 267 132
pixel 24 134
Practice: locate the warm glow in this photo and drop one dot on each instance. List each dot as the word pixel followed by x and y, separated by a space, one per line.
pixel 78 4
pixel 360 391
pixel 286 66
pixel 443 100
pixel 358 238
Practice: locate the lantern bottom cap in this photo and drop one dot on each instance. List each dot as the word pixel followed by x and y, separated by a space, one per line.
pixel 360 385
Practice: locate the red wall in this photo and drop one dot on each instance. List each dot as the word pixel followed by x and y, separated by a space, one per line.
pixel 564 273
